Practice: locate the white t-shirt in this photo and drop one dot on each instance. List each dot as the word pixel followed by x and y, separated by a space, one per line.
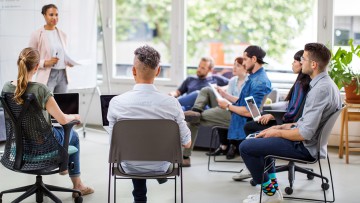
pixel 56 48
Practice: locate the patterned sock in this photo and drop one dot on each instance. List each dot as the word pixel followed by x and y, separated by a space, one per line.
pixel 268 188
pixel 273 179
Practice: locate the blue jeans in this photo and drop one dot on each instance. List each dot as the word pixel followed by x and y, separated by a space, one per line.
pixel 140 190
pixel 253 152
pixel 74 141
pixel 187 101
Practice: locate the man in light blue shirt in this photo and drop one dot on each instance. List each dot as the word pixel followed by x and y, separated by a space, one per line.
pixel 146 102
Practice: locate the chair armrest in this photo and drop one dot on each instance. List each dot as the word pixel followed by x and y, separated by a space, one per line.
pixel 67 129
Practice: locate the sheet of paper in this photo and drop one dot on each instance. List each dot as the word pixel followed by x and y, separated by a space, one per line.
pixel 213 87
pixel 70 60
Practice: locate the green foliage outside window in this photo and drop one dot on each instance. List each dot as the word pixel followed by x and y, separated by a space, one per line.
pixel 271 24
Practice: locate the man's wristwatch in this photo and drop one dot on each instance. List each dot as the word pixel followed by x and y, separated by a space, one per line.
pixel 227 107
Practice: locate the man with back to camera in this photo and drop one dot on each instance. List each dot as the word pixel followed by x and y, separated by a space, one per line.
pixel 295 140
pixel 189 89
pixel 146 102
pixel 258 85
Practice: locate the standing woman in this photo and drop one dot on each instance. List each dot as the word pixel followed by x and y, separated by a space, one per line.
pixel 51 43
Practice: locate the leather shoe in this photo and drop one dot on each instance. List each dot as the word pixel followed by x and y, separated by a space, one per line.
pixel 231 153
pixel 162 180
pixel 192 116
pixel 186 162
pixel 217 152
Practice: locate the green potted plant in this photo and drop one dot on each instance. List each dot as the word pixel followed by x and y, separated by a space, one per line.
pixel 344 74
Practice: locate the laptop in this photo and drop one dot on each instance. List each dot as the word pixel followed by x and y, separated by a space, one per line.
pixel 254 110
pixel 104 103
pixel 68 103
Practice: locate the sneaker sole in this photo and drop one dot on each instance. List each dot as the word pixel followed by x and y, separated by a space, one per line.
pixel 242 178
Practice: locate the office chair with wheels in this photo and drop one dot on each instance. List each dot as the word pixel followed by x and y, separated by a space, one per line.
pixel 323 134
pixel 145 140
pixel 32 148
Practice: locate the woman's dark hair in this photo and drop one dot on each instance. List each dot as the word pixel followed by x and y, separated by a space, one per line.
pixel 298 55
pixel 46 7
pixel 302 78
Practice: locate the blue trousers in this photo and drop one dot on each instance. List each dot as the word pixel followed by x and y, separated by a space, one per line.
pixel 253 152
pixel 187 101
pixel 74 141
pixel 140 190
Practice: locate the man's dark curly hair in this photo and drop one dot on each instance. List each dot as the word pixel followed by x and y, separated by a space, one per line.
pixel 148 56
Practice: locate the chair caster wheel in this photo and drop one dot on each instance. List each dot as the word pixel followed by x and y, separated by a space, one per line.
pixel 288 190
pixel 252 182
pixel 325 186
pixel 78 199
pixel 310 177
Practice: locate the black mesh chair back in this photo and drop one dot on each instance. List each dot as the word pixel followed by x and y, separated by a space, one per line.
pixel 145 140
pixel 31 146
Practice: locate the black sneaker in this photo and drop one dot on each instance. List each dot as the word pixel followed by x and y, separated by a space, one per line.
pixel 231 153
pixel 162 180
pixel 217 152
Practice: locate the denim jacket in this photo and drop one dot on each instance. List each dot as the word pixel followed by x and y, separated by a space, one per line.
pixel 257 86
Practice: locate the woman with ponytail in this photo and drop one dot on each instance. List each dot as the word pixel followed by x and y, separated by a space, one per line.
pixel 28 64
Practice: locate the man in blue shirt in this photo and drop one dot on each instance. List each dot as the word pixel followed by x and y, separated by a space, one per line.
pixel 296 140
pixel 189 89
pixel 257 86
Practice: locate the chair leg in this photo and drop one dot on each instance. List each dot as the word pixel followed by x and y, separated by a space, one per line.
pixel 20 189
pixel 308 172
pixel 175 187
pixel 28 193
pixel 114 188
pixel 47 192
pixel 181 185
pixel 39 189
pixel 109 184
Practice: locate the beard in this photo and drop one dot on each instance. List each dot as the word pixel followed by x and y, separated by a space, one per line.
pixel 201 76
pixel 250 69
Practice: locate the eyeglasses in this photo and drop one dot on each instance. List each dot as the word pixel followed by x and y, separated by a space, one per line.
pixel 303 59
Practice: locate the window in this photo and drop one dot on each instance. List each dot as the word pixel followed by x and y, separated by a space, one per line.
pixel 139 23
pixel 223 29
pixel 346 22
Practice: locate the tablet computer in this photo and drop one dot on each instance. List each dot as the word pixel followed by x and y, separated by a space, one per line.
pixel 254 110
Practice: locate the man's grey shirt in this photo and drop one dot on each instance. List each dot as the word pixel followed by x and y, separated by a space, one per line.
pixel 321 102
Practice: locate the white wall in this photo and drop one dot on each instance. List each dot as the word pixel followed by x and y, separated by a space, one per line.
pixel 19 18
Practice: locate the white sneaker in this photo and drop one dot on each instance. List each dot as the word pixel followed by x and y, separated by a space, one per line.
pixel 244 174
pixel 277 197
